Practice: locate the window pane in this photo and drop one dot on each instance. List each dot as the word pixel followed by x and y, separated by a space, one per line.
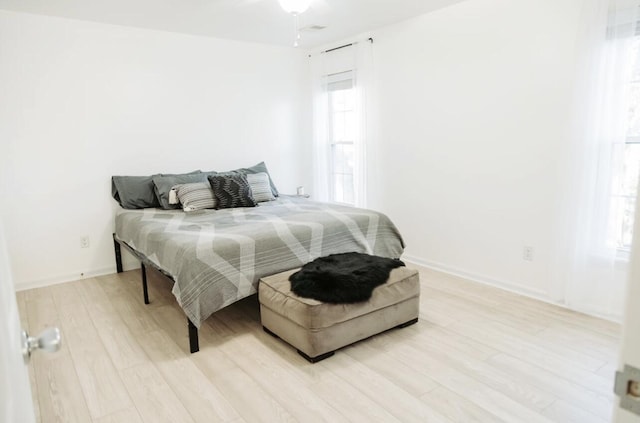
pixel 338 100
pixel 623 210
pixel 343 161
pixel 349 126
pixel 633 117
pixel 631 169
pixel 339 127
pixel 342 100
pixel 628 215
pixel 350 99
pixel 338 186
pixel 348 190
pixel 349 153
pixel 343 133
pixel 339 161
pixel 624 199
pixel 635 76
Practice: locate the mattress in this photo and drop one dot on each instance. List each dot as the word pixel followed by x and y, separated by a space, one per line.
pixel 217 257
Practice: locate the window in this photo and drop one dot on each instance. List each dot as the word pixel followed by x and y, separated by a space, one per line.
pixel 626 176
pixel 341 101
pixel 342 135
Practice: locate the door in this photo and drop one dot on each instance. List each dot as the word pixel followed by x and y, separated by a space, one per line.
pixel 630 349
pixel 15 393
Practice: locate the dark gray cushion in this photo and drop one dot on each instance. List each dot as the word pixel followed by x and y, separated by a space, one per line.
pixel 259 168
pixel 164 183
pixel 134 192
pixel 232 191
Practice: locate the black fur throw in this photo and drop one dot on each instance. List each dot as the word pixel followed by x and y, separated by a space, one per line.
pixel 342 278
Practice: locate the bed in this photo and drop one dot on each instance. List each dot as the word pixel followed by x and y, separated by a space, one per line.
pixel 216 257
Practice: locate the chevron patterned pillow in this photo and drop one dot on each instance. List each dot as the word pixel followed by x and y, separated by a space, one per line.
pixel 232 191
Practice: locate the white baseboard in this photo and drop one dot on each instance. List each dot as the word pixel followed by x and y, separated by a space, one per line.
pixel 70 277
pixel 538 294
pixel 507 286
pixel 130 264
pixel 595 311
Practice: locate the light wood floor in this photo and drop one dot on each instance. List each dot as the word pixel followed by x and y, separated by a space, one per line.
pixel 477 354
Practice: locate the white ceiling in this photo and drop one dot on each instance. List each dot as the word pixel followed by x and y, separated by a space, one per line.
pixel 260 21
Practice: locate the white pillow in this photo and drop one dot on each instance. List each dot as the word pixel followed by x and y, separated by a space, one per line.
pixel 260 187
pixel 196 196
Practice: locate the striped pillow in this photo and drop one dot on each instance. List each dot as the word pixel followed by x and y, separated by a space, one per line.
pixel 260 187
pixel 195 196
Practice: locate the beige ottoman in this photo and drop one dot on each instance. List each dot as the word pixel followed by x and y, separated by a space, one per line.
pixel 317 329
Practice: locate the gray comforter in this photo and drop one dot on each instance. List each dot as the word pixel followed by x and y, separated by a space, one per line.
pixel 216 257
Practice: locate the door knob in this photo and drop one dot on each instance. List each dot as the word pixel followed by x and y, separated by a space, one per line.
pixel 48 340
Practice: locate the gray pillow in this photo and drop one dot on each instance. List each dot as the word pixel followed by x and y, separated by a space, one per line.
pixel 259 168
pixel 259 183
pixel 134 192
pixel 164 183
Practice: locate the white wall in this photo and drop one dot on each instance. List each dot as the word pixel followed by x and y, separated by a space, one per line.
pixel 82 101
pixel 474 114
pixel 474 118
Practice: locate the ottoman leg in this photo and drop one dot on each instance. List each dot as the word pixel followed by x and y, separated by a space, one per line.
pixel 409 323
pixel 316 358
pixel 269 332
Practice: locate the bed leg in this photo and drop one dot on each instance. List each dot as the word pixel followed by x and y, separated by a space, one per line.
pixel 116 247
pixel 194 345
pixel 145 290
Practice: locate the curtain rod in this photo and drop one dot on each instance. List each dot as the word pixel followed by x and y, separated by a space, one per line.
pixel 346 45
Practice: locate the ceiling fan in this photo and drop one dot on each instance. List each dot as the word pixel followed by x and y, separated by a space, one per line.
pixel 293 7
pixel 288 6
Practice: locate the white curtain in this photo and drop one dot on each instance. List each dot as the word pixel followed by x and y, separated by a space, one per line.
pixel 593 268
pixel 363 58
pixel 356 59
pixel 320 98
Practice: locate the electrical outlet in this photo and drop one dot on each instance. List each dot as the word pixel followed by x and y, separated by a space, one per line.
pixel 527 253
pixel 84 242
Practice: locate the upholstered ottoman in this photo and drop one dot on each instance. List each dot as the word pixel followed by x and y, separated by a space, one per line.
pixel 317 329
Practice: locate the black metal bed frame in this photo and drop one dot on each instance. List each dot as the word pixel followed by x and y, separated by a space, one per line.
pixel 194 345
